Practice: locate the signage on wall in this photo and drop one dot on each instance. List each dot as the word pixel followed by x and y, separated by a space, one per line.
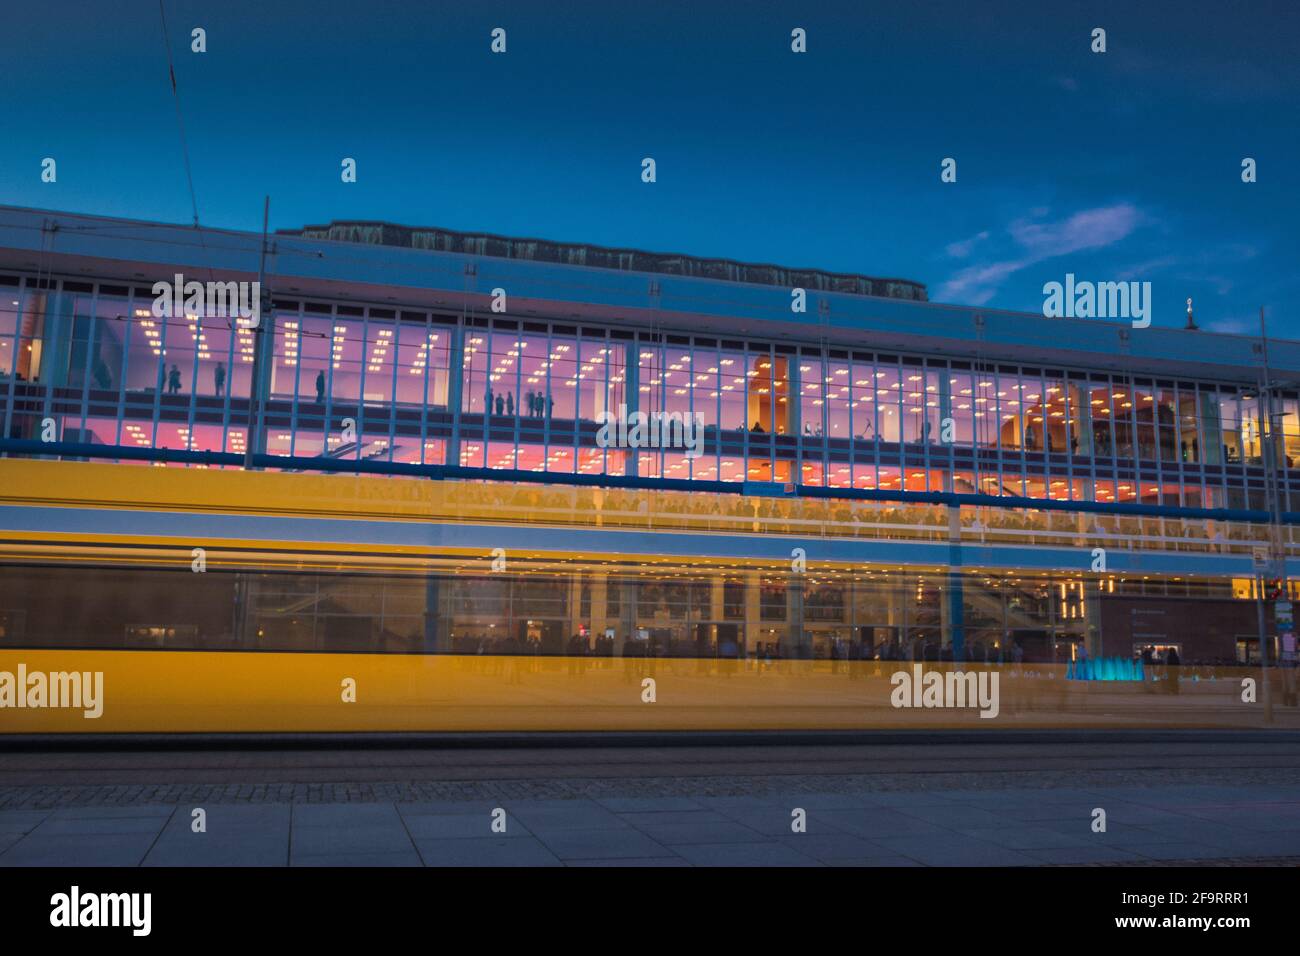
pixel 1283 616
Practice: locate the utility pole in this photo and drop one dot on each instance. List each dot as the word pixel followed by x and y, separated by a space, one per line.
pixel 244 583
pixel 261 335
pixel 1272 488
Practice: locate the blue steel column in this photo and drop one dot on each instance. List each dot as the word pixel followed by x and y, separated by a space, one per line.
pixel 956 626
pixel 632 393
pixel 455 385
pixel 265 348
pixel 794 414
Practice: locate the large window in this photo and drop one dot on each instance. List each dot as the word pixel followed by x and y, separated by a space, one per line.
pixel 1121 401
pixel 422 355
pixel 862 394
pixel 107 351
pixel 838 381
pixel 987 422
pixel 962 408
pixel 1145 415
pixel 314 365
pixel 1055 410
pixel 9 308
pixel 889 404
pixel 562 402
pixel 813 388
pixel 381 361
pixel 677 379
pixel 286 355
pixel 732 384
pixel 1189 440
pixel 346 361
pixel 144 335
pixel 859 419
pixel 1011 421
pixel 1230 424
pixel 761 376
pixel 475 387
pixel 504 380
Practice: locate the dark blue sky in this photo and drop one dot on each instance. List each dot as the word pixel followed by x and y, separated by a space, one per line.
pixel 1124 165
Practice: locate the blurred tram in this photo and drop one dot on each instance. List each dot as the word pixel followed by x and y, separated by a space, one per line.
pixel 217 600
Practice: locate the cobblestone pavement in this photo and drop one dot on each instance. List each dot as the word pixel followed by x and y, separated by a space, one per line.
pixel 1213 815
pixel 136 794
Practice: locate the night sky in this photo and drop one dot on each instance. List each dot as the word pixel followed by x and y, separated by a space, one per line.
pixel 1117 166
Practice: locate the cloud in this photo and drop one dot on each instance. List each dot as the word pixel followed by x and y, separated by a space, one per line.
pixel 1090 229
pixel 1144 269
pixel 962 249
pixel 975 285
pixel 1232 326
pixel 1036 242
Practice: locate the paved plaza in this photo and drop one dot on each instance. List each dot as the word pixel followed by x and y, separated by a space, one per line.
pixel 934 827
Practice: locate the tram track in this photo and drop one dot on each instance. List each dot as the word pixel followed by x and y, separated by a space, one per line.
pixel 300 765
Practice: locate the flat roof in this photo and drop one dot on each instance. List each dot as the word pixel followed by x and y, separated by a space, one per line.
pixel 44 241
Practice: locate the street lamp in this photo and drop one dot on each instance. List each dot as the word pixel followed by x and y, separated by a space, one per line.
pixel 1276 570
pixel 262 344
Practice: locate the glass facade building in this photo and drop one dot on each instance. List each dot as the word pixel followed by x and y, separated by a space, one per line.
pixel 816 430
pixel 494 391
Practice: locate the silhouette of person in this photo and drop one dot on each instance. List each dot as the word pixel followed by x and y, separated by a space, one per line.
pixel 219 379
pixel 320 387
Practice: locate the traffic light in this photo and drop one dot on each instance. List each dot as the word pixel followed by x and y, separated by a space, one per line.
pixel 1273 589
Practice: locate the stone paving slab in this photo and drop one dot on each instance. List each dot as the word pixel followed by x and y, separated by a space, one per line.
pixel 1168 823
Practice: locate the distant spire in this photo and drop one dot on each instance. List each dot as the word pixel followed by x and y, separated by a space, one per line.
pixel 1191 321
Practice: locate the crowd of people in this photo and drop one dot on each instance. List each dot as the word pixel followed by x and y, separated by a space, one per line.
pixel 539 404
pixel 1160 667
pixel 829 517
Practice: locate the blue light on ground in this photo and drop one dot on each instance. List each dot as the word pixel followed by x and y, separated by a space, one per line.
pixel 1105 669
